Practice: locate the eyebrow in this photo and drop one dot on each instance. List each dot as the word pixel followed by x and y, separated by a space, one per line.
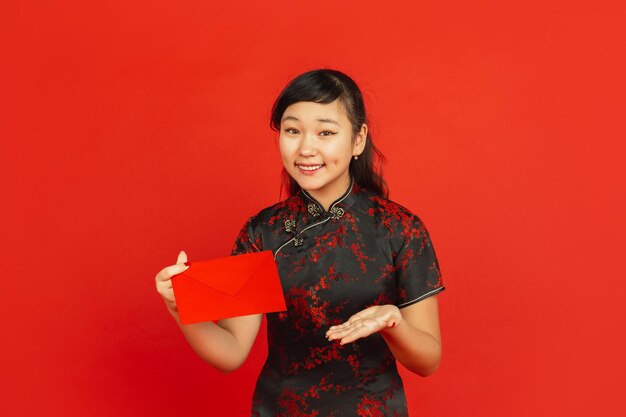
pixel 319 120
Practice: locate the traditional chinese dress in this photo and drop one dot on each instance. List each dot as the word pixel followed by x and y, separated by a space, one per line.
pixel 365 250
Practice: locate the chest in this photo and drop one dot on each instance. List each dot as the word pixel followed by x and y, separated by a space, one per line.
pixel 341 264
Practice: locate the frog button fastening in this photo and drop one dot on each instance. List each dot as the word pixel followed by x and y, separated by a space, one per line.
pixel 313 209
pixel 290 226
pixel 336 212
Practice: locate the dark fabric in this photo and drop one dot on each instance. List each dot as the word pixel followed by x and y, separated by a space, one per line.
pixel 364 251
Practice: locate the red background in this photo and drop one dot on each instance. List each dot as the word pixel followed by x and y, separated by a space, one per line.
pixel 131 130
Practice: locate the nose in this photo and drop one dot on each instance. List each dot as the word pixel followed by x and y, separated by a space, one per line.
pixel 307 145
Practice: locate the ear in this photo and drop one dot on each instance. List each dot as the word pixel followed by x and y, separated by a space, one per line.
pixel 360 140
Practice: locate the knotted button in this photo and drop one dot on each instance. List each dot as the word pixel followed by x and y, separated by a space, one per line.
pixel 290 226
pixel 314 209
pixel 336 212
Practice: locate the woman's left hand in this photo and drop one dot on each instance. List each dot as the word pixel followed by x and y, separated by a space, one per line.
pixel 364 323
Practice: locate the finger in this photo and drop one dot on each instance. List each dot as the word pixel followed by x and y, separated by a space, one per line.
pixel 336 334
pixel 167 294
pixel 364 314
pixel 168 272
pixel 357 333
pixel 170 299
pixel 182 257
pixel 354 318
pixel 339 326
pixel 332 334
pixel 369 326
pixel 340 333
pixel 166 285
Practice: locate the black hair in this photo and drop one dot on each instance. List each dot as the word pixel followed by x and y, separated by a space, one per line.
pixel 325 86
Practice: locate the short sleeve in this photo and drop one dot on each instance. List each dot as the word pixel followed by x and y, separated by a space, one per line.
pixel 415 264
pixel 246 241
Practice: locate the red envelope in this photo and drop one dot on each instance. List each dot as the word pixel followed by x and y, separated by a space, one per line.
pixel 228 287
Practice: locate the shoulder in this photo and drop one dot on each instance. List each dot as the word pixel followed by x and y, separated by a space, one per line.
pixel 391 213
pixel 402 224
pixel 257 230
pixel 274 214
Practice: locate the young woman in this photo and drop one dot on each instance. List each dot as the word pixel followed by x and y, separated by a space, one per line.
pixel 358 271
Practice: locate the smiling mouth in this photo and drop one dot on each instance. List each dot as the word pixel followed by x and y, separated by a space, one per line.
pixel 310 167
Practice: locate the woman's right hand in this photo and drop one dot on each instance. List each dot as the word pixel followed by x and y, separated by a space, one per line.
pixel 224 345
pixel 164 281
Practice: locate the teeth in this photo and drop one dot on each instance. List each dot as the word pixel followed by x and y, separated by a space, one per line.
pixel 310 168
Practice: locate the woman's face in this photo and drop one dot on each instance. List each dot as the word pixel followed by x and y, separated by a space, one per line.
pixel 316 145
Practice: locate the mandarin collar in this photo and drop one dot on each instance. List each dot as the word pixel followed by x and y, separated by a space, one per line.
pixel 336 208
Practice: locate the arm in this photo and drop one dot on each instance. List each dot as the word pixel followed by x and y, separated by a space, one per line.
pixel 225 345
pixel 416 340
pixel 412 333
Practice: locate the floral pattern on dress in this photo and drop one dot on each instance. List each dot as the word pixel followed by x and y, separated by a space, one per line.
pixel 365 250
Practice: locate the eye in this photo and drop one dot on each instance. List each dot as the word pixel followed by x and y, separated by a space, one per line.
pixel 327 133
pixel 292 131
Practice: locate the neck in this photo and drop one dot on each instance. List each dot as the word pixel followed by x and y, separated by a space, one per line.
pixel 326 198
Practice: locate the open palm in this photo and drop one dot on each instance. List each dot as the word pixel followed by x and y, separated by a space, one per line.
pixel 364 323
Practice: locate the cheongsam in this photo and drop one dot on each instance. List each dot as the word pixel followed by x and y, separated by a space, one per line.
pixel 365 250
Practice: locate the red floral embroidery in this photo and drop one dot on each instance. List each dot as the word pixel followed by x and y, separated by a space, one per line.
pixel 376 253
pixel 369 407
